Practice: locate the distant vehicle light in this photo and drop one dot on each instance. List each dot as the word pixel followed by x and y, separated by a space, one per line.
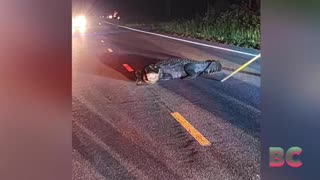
pixel 118 17
pixel 110 17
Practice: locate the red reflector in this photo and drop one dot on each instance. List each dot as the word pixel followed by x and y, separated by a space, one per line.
pixel 128 67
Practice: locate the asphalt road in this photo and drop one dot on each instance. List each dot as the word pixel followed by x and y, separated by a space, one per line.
pixel 123 131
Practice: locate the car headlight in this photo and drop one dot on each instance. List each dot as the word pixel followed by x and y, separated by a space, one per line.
pixel 79 23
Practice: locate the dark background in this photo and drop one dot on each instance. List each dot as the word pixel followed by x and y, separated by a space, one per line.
pixel 159 9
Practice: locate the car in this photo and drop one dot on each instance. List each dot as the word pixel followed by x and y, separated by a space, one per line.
pixel 114 17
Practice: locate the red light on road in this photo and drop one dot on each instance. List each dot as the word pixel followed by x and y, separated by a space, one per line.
pixel 127 67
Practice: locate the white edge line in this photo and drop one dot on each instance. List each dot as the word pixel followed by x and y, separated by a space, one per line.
pixel 183 40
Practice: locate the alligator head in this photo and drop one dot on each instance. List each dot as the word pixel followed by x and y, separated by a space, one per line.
pixel 151 74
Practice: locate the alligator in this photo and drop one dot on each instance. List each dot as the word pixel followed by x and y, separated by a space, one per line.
pixel 176 69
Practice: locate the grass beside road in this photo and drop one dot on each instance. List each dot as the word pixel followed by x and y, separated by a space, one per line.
pixel 237 26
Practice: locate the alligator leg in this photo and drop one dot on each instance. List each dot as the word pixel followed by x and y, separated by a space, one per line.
pixel 139 79
pixel 138 75
pixel 166 77
pixel 193 70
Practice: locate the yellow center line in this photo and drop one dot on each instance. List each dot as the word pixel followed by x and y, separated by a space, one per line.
pixel 193 131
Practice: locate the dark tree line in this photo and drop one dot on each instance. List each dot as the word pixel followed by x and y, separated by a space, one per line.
pixel 213 7
pixel 161 9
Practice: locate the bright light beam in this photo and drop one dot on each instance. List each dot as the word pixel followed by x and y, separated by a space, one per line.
pixel 79 23
pixel 242 67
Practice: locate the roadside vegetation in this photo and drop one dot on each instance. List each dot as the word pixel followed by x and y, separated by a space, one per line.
pixel 238 25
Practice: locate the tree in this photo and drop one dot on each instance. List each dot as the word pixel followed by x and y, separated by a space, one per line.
pixel 254 4
pixel 214 7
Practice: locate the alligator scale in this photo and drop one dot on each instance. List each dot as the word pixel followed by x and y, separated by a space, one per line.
pixel 176 69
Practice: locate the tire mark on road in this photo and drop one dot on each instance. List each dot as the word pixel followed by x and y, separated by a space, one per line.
pixel 127 149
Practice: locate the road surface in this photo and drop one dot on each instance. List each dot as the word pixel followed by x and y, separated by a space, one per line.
pixel 180 129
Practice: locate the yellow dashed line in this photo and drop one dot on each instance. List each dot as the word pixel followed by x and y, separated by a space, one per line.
pixel 194 133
